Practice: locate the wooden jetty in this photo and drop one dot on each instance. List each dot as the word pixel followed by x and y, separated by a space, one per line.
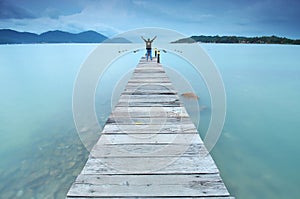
pixel 149 148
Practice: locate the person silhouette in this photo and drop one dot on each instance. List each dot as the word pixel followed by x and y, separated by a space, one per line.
pixel 148 46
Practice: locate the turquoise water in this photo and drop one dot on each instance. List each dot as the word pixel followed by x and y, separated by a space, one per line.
pixel 40 151
pixel 257 152
pixel 260 140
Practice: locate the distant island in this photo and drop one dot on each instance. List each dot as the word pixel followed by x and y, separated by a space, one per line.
pixel 8 36
pixel 235 39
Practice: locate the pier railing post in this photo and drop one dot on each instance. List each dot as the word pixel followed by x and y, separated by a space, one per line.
pixel 155 52
pixel 158 56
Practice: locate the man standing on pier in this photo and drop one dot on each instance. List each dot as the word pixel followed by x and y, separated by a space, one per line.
pixel 148 46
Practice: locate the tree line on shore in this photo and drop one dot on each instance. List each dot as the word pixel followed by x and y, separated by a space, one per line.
pixel 236 39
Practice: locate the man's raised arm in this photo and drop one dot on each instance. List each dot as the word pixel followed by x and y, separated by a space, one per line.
pixel 143 39
pixel 153 39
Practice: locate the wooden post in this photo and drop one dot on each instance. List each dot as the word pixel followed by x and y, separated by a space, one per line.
pixel 158 56
pixel 155 52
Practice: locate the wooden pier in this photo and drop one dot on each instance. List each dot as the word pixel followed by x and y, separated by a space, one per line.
pixel 149 148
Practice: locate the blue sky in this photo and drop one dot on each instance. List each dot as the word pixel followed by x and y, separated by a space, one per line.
pixel 190 17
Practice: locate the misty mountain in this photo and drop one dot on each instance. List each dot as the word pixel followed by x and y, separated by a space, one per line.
pixel 117 40
pixel 8 36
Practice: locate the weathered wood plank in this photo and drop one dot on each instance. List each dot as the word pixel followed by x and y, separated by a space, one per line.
pixel 144 88
pixel 149 100
pixel 156 197
pixel 148 92
pixel 153 112
pixel 148 150
pixel 149 71
pixel 160 84
pixel 148 75
pixel 179 109
pixel 148 67
pixel 154 84
pixel 154 98
pixel 153 109
pixel 149 120
pixel 145 76
pixel 153 185
pixel 155 129
pixel 209 197
pixel 148 104
pixel 143 62
pixel 150 85
pixel 150 165
pixel 149 80
pixel 149 89
pixel 149 139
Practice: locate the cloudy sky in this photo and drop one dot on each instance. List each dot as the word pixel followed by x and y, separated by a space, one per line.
pixel 190 17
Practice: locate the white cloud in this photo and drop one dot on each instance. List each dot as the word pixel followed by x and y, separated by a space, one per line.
pixel 116 16
pixel 93 17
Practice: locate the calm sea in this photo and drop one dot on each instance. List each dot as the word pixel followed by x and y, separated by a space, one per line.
pixel 257 153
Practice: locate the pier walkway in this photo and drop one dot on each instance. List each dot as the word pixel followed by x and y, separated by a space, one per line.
pixel 149 147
